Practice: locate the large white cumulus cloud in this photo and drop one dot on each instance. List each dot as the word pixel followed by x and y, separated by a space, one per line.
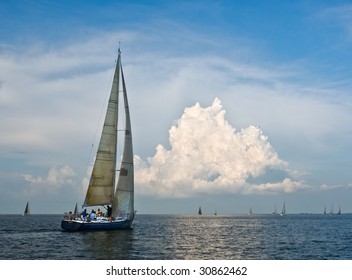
pixel 208 155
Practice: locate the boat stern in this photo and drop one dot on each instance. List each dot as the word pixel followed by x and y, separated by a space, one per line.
pixel 70 225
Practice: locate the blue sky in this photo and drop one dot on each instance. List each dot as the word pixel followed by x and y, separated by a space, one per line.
pixel 234 104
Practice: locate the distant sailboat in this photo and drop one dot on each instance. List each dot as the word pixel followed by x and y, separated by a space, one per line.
pixel 332 210
pixel 102 190
pixel 339 212
pixel 325 210
pixel 283 212
pixel 250 212
pixel 26 210
pixel 200 211
pixel 76 212
pixel 275 212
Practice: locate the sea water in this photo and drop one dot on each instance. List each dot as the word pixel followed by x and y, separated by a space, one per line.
pixel 182 237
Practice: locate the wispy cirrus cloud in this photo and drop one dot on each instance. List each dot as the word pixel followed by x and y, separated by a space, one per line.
pixel 341 16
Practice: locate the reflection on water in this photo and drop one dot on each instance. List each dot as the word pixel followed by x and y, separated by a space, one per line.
pixel 207 237
pixel 196 237
pixel 107 244
pixel 182 237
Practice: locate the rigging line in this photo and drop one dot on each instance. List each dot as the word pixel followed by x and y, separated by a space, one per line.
pixel 106 100
pixel 103 108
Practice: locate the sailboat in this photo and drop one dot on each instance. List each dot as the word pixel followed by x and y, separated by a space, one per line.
pixel 250 212
pixel 26 210
pixel 275 212
pixel 325 210
pixel 101 190
pixel 283 212
pixel 76 212
pixel 200 211
pixel 339 212
pixel 331 210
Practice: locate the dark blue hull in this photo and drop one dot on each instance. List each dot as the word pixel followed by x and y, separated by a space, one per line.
pixel 78 225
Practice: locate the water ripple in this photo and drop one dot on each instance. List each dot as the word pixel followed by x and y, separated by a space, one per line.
pixel 189 237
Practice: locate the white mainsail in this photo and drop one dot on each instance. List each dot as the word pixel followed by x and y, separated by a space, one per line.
pixel 101 189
